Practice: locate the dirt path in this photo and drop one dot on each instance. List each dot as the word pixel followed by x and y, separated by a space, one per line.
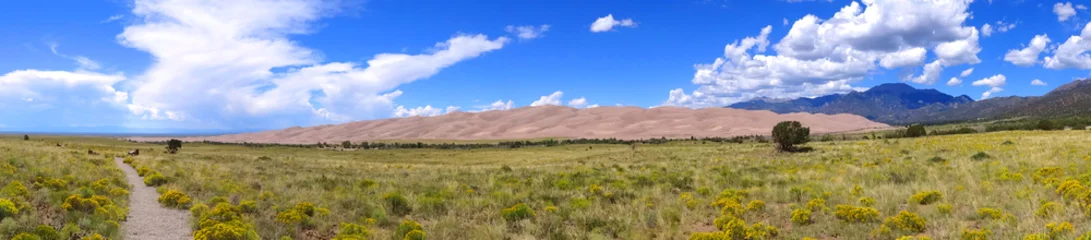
pixel 147 219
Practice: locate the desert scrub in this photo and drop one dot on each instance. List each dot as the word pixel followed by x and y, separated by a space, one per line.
pixel 518 212
pixel 407 226
pixel 755 206
pixel 351 231
pixel 801 216
pixel 866 201
pixel 979 156
pixel 1057 230
pixel 906 221
pixel 688 200
pixel 817 205
pixel 397 203
pixel 990 213
pixel 174 199
pixel 1048 209
pixel 15 189
pixel 222 222
pixel 944 208
pixel 854 214
pixel 925 198
pixel 976 234
pixel 7 208
pixel 154 179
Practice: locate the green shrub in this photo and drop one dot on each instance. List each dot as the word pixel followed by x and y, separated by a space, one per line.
pixel 801 216
pixel 415 235
pixel 854 214
pixel 154 179
pixel 915 130
pixel 26 236
pixel 15 189
pixel 980 156
pixel 906 222
pixel 198 210
pixel 937 159
pixel 788 134
pixel 398 204
pixel 976 234
pixel 174 199
pixel 944 208
pixel 7 208
pixel 407 226
pixel 47 232
pixel 248 206
pixel 351 231
pixel 518 212
pixel 925 198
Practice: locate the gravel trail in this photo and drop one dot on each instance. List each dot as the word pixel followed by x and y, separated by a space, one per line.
pixel 147 219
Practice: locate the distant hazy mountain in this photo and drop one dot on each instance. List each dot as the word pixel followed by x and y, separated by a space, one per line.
pixel 888 103
pixel 900 104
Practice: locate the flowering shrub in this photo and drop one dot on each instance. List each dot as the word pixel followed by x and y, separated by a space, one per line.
pixel 755 206
pixel 407 226
pixel 174 199
pixel 518 212
pixel 866 201
pixel 15 189
pixel 801 216
pixel 398 204
pixel 1048 209
pixel 854 214
pixel 906 221
pixel 976 234
pixel 154 179
pixel 990 213
pixel 944 208
pixel 1058 229
pixel 925 198
pixel 351 231
pixel 7 209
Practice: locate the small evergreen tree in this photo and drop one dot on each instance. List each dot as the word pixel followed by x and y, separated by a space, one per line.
pixel 915 130
pixel 173 145
pixel 346 144
pixel 26 137
pixel 788 134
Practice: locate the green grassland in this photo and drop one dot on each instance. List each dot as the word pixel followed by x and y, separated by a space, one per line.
pixel 52 192
pixel 1001 185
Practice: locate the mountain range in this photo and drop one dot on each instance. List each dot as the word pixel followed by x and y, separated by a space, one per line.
pixel 902 104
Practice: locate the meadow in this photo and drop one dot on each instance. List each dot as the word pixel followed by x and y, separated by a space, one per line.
pixel 1000 185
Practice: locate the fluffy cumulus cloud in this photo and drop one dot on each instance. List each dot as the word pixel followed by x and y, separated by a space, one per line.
pixel 607 23
pixel 1073 53
pixel 426 111
pixel 551 99
pixel 498 105
pixel 1037 82
pixel 825 56
pixel 1028 56
pixel 1064 11
pixel 220 60
pixel 578 103
pixel 994 83
pixel 954 82
pixel 527 32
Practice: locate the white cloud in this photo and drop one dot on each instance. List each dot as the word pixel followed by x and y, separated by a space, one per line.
pixel 905 58
pixel 426 111
pixel 954 82
pixel 1081 7
pixel 994 83
pixel 1037 82
pixel 578 103
pixel 785 21
pixel 113 18
pixel 967 72
pixel 825 56
pixel 83 62
pixel 498 105
pixel 551 99
pixel 451 109
pixel 593 106
pixel 1001 26
pixel 56 86
pixel 1064 11
pixel 1073 52
pixel 607 23
pixel 215 61
pixel 1028 56
pixel 527 32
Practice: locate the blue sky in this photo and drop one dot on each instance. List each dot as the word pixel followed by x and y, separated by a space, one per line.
pixel 191 66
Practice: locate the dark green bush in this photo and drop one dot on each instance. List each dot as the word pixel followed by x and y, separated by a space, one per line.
pixel 788 134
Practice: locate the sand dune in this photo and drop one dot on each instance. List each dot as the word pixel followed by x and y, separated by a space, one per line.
pixel 556 121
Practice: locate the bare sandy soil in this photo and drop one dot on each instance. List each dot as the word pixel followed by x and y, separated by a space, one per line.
pixel 147 219
pixel 556 121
